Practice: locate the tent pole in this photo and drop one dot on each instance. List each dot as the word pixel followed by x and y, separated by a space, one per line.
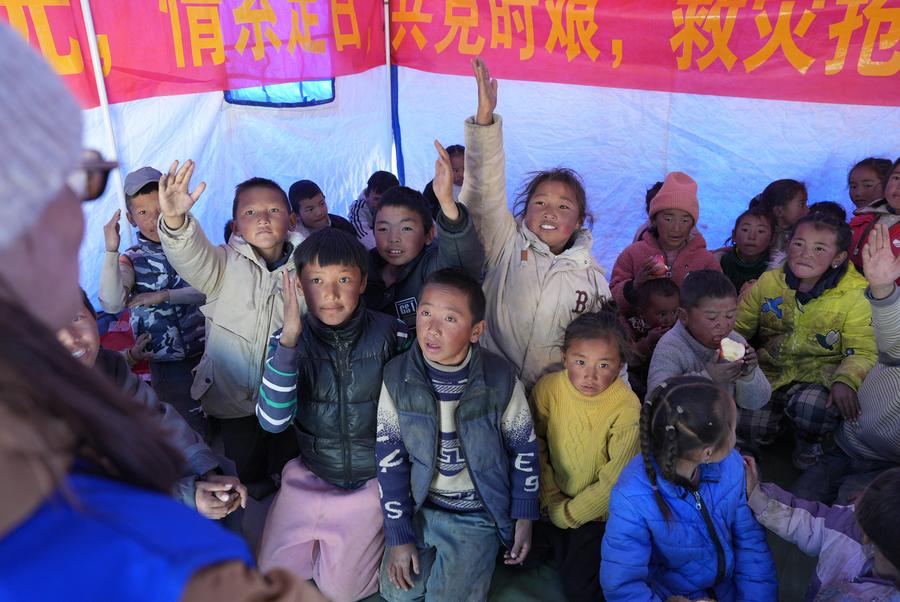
pixel 100 81
pixel 390 90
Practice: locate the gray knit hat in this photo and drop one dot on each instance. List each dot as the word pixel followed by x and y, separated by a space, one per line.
pixel 40 135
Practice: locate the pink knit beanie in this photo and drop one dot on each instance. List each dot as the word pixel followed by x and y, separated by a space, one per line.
pixel 679 191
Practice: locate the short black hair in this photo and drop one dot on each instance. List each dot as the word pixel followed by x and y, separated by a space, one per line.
pixel 778 194
pixel 658 287
pixel 87 304
pixel 827 220
pixel 705 284
pixel 257 183
pixel 652 192
pixel 829 207
pixel 408 198
pixel 145 189
pixel 330 246
pixel 229 230
pixel 302 190
pixel 455 150
pixel 875 513
pixel 602 324
pixel 380 182
pixel 459 280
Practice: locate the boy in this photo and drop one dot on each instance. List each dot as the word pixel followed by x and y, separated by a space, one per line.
pixel 242 283
pixel 657 307
pixel 706 317
pixel 457 454
pixel 310 210
pixel 404 255
pixel 160 302
pixel 362 210
pixel 324 374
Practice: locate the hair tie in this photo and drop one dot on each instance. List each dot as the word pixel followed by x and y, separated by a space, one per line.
pixel 648 402
pixel 670 427
pixel 679 409
pixel 654 487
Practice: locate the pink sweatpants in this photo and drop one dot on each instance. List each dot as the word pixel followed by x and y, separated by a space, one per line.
pixel 321 532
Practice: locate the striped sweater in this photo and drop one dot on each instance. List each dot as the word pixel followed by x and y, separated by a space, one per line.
pixel 876 435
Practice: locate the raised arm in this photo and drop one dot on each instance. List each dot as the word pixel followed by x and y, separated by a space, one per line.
pixel 117 273
pixel 882 270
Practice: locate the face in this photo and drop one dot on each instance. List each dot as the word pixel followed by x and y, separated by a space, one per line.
pixel 332 292
pixel 661 312
pixel 674 227
pixel 812 251
pixel 445 326
pixel 81 337
pixel 752 236
pixel 143 214
pixel 865 186
pixel 262 219
pixel 372 200
pixel 892 188
pixel 400 235
pixel 711 320
pixel 553 215
pixel 592 364
pixel 314 212
pixel 458 165
pixel 790 214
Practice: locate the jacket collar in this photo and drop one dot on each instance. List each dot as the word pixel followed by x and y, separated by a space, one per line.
pixel 347 332
pixel 419 375
pixel 709 473
pixel 243 248
pixel 830 279
pixel 879 207
pixel 579 252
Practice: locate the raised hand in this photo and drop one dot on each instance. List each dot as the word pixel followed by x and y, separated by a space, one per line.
pixel 443 183
pixel 175 196
pixel 487 92
pixel 881 267
pixel 293 325
pixel 111 232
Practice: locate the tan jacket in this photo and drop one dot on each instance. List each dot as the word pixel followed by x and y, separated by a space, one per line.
pixel 244 306
pixel 532 294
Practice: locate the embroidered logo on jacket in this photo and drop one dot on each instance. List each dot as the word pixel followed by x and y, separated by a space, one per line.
pixel 773 306
pixel 406 311
pixel 581 299
pixel 829 340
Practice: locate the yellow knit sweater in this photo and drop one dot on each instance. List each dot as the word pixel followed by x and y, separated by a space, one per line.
pixel 585 442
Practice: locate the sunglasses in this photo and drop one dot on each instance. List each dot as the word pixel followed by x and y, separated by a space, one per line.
pixel 88 181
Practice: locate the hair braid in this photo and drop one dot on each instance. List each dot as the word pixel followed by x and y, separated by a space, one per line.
pixel 648 411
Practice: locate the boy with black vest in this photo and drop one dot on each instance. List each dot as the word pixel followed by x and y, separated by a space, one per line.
pixel 323 374
pixel 457 454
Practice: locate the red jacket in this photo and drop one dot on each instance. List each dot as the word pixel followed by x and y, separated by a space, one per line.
pixel 862 223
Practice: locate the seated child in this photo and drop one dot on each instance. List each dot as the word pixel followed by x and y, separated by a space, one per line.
pixel 539 269
pixel 694 345
pixel 865 182
pixel 203 487
pixel 457 154
pixel 816 343
pixel 242 283
pixel 785 200
pixel 678 522
pixel 657 307
pixel 858 547
pixel 748 256
pixel 160 302
pixel 362 210
pixel 669 248
pixel 456 451
pixel 311 211
pixel 405 252
pixel 883 211
pixel 586 422
pixel 323 374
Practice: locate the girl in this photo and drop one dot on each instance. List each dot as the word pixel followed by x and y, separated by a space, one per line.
pixel 586 421
pixel 669 248
pixel 816 343
pixel 748 256
pixel 865 181
pixel 679 524
pixel 786 201
pixel 539 270
pixel 882 211
pixel 858 548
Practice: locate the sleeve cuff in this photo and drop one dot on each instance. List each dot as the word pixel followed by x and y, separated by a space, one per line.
pixel 885 302
pixel 525 508
pixel 285 359
pixel 454 227
pixel 758 500
pixel 399 532
pixel 180 232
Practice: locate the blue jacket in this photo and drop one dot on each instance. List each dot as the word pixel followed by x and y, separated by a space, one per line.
pixel 105 540
pixel 647 558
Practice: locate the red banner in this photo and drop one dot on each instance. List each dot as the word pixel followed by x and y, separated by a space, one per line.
pixel 835 51
pixel 161 47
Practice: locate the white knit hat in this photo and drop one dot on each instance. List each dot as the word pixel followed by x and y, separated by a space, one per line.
pixel 40 135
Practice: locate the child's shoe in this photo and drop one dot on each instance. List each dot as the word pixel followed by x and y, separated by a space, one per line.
pixel 806 454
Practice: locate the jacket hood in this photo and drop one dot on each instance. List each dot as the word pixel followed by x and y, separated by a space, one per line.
pixel 244 249
pixel 579 252
pixel 879 207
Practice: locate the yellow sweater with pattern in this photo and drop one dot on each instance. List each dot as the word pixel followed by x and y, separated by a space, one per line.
pixel 584 442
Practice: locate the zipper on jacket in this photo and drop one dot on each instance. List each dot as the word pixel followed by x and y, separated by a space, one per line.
pixel 344 364
pixel 720 552
pixel 472 475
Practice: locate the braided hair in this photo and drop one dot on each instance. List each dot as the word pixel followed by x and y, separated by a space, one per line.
pixel 683 414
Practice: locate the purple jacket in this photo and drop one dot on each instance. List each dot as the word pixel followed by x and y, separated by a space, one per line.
pixel 845 569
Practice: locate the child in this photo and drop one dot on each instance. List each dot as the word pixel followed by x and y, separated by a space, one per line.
pixel 657 307
pixel 456 452
pixel 865 182
pixel 586 422
pixel 160 302
pixel 404 255
pixel 748 256
pixel 310 210
pixel 323 374
pixel 786 201
pixel 678 523
pixel 457 154
pixel 858 548
pixel 669 248
pixel 706 317
pixel 540 273
pixel 204 488
pixel 816 343
pixel 242 283
pixel 362 210
pixel 882 211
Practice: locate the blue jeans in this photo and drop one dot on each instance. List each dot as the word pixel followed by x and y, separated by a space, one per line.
pixel 457 554
pixel 836 478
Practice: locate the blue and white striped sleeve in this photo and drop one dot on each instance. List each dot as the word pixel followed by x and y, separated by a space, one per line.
pixel 276 403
